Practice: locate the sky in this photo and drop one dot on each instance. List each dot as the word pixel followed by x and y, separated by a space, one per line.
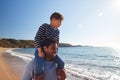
pixel 86 22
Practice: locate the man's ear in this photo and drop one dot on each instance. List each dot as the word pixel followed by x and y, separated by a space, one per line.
pixel 44 48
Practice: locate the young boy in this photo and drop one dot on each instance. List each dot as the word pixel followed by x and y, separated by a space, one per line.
pixel 47 31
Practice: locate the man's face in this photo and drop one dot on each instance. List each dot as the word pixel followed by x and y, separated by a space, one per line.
pixel 50 51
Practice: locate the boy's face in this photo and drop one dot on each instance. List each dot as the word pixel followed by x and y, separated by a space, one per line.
pixel 56 22
pixel 50 51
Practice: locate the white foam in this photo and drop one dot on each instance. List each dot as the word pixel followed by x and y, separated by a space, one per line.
pixel 92 73
pixel 26 57
pixel 75 70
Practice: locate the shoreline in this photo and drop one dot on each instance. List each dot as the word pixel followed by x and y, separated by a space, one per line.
pixel 17 65
pixel 9 67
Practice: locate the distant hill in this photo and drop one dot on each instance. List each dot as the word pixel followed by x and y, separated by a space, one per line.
pixel 13 43
pixel 65 45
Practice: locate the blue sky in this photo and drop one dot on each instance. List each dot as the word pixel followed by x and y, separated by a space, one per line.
pixel 86 22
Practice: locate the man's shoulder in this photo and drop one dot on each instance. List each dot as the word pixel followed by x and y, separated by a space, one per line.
pixel 31 64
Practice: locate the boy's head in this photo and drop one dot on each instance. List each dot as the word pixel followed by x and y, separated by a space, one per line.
pixel 56 19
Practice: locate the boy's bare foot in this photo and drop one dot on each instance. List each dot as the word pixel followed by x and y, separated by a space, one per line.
pixel 41 77
pixel 61 74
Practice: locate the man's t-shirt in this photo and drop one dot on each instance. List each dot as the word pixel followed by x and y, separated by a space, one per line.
pixel 49 71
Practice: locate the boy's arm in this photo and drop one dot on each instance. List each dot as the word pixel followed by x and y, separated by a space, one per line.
pixel 40 36
pixel 41 52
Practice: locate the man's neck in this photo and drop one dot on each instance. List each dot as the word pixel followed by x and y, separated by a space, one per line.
pixel 48 59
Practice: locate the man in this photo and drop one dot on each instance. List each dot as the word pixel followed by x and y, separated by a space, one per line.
pixel 51 71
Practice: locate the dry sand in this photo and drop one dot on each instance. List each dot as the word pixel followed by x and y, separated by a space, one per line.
pixel 6 72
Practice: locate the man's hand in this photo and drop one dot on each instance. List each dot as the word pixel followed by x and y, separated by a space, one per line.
pixel 41 77
pixel 40 53
pixel 61 74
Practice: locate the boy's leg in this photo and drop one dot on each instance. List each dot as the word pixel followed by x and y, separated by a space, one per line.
pixel 59 62
pixel 39 63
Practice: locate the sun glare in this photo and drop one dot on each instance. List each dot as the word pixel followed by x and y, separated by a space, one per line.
pixel 116 4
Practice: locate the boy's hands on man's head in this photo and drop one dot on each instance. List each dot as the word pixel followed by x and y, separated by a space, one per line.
pixel 40 53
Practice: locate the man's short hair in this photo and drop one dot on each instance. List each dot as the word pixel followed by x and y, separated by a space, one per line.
pixel 56 15
pixel 48 41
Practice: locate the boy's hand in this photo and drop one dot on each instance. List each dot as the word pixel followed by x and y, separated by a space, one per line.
pixel 61 74
pixel 40 53
pixel 41 77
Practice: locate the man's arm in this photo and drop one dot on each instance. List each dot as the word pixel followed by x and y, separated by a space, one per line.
pixel 26 75
pixel 28 72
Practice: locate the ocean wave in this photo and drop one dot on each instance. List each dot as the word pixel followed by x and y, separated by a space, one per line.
pixel 24 56
pixel 90 73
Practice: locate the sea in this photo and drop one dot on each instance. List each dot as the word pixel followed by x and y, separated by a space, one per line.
pixel 83 63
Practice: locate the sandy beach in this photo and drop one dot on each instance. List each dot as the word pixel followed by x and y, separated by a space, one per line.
pixel 10 66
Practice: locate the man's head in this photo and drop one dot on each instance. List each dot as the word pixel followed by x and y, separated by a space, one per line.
pixel 50 48
pixel 56 19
